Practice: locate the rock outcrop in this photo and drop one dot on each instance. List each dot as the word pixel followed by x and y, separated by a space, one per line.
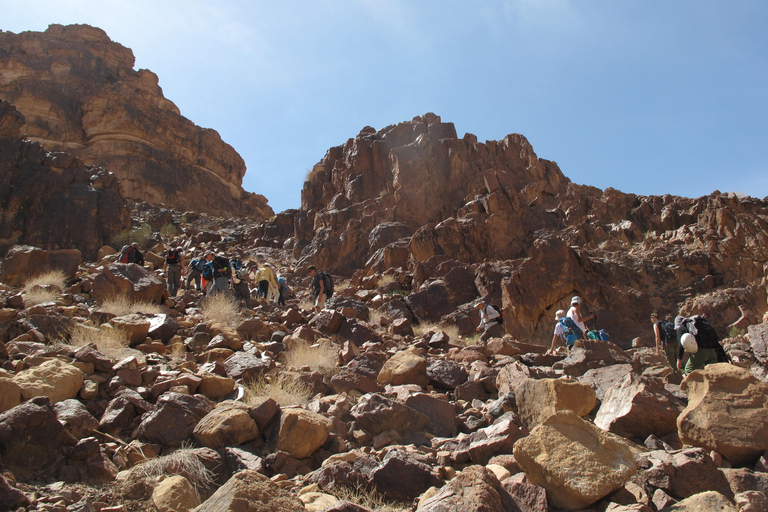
pixel 80 94
pixel 53 200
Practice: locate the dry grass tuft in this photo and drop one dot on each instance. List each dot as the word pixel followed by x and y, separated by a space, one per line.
pixel 182 462
pixel 45 287
pixel 452 330
pixel 368 498
pixel 113 343
pixel 283 389
pixel 121 305
pixel 221 308
pixel 320 357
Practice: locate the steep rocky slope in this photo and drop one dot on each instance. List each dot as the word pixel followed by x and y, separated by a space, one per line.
pixel 79 92
pixel 414 196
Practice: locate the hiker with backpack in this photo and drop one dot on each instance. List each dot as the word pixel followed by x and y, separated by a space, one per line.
pixel 574 313
pixel 699 340
pixel 240 287
pixel 666 339
pixel 131 254
pixel 322 287
pixel 559 332
pixel 174 268
pixel 195 272
pixel 220 273
pixel 491 322
pixel 267 282
pixel 283 290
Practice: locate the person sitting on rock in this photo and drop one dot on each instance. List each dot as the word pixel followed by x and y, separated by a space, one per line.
pixel 489 322
pixel 559 333
pixel 575 314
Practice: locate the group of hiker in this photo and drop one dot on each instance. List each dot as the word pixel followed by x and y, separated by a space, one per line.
pixel 689 343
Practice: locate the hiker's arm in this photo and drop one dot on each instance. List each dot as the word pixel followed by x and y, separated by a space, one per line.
pixel 321 282
pixel 554 342
pixel 658 338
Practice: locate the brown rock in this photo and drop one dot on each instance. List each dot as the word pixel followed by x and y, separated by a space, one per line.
pixel 576 462
pixel 302 432
pixel 130 280
pixel 10 394
pixel 227 425
pixel 251 491
pixel 135 326
pixel 54 378
pixel 725 412
pixel 539 399
pixel 377 414
pixel 476 489
pixel 175 494
pixel 174 419
pixel 405 367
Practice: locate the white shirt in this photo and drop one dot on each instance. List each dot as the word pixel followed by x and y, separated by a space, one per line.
pixel 572 315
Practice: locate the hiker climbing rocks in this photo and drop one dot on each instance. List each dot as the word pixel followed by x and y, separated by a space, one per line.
pixel 575 314
pixel 699 344
pixel 666 339
pixel 240 288
pixel 221 273
pixel 267 282
pixel 174 268
pixel 131 254
pixel 559 332
pixel 195 272
pixel 322 287
pixel 283 290
pixel 490 321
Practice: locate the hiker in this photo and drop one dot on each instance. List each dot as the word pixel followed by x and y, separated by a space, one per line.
pixel 283 290
pixel 174 268
pixel 195 272
pixel 559 332
pixel 319 289
pixel 131 254
pixel 267 282
pixel 220 273
pixel 240 288
pixel 490 321
pixel 699 341
pixel 575 314
pixel 666 339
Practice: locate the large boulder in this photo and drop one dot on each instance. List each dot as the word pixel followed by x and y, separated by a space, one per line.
pixel 251 491
pixel 229 424
pixel 475 489
pixel 174 418
pixel 405 367
pixel 636 407
pixel 301 432
pixel 31 438
pixel 54 378
pixel 538 399
pixel 575 461
pixel 726 412
pixel 129 280
pixel 376 414
pixel 175 494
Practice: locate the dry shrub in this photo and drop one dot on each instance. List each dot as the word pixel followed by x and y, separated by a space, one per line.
pixel 452 330
pixel 46 287
pixel 113 343
pixel 385 280
pixel 320 357
pixel 183 461
pixel 374 316
pixel 283 389
pixel 122 305
pixel 222 308
pixel 368 498
pixel 307 305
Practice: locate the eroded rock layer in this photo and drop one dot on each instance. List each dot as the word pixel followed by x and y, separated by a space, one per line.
pixel 79 93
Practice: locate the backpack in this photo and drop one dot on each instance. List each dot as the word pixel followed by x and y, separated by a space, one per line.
pixel 208 271
pixel 328 284
pixel 571 331
pixel 667 331
pixel 236 264
pixel 196 264
pixel 705 334
pixel 499 319
pixel 125 254
pixel 173 257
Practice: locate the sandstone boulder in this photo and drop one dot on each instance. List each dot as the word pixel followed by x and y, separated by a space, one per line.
pixel 405 367
pixel 376 414
pixel 229 424
pixel 251 491
pixel 726 412
pixel 54 378
pixel 575 461
pixel 475 489
pixel 129 280
pixel 537 399
pixel 302 432
pixel 10 394
pixel 75 417
pixel 174 419
pixel 707 500
pixel 175 494
pixel 136 327
pixel 636 407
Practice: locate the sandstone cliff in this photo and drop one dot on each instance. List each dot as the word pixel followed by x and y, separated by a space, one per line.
pixel 414 196
pixel 79 93
pixel 52 199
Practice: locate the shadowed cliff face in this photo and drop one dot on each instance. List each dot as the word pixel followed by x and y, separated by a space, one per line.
pixel 51 199
pixel 416 197
pixel 79 93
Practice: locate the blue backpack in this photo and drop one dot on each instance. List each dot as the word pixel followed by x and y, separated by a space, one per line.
pixel 208 271
pixel 571 331
pixel 196 264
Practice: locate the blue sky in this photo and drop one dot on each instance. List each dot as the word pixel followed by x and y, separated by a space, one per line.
pixel 645 97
